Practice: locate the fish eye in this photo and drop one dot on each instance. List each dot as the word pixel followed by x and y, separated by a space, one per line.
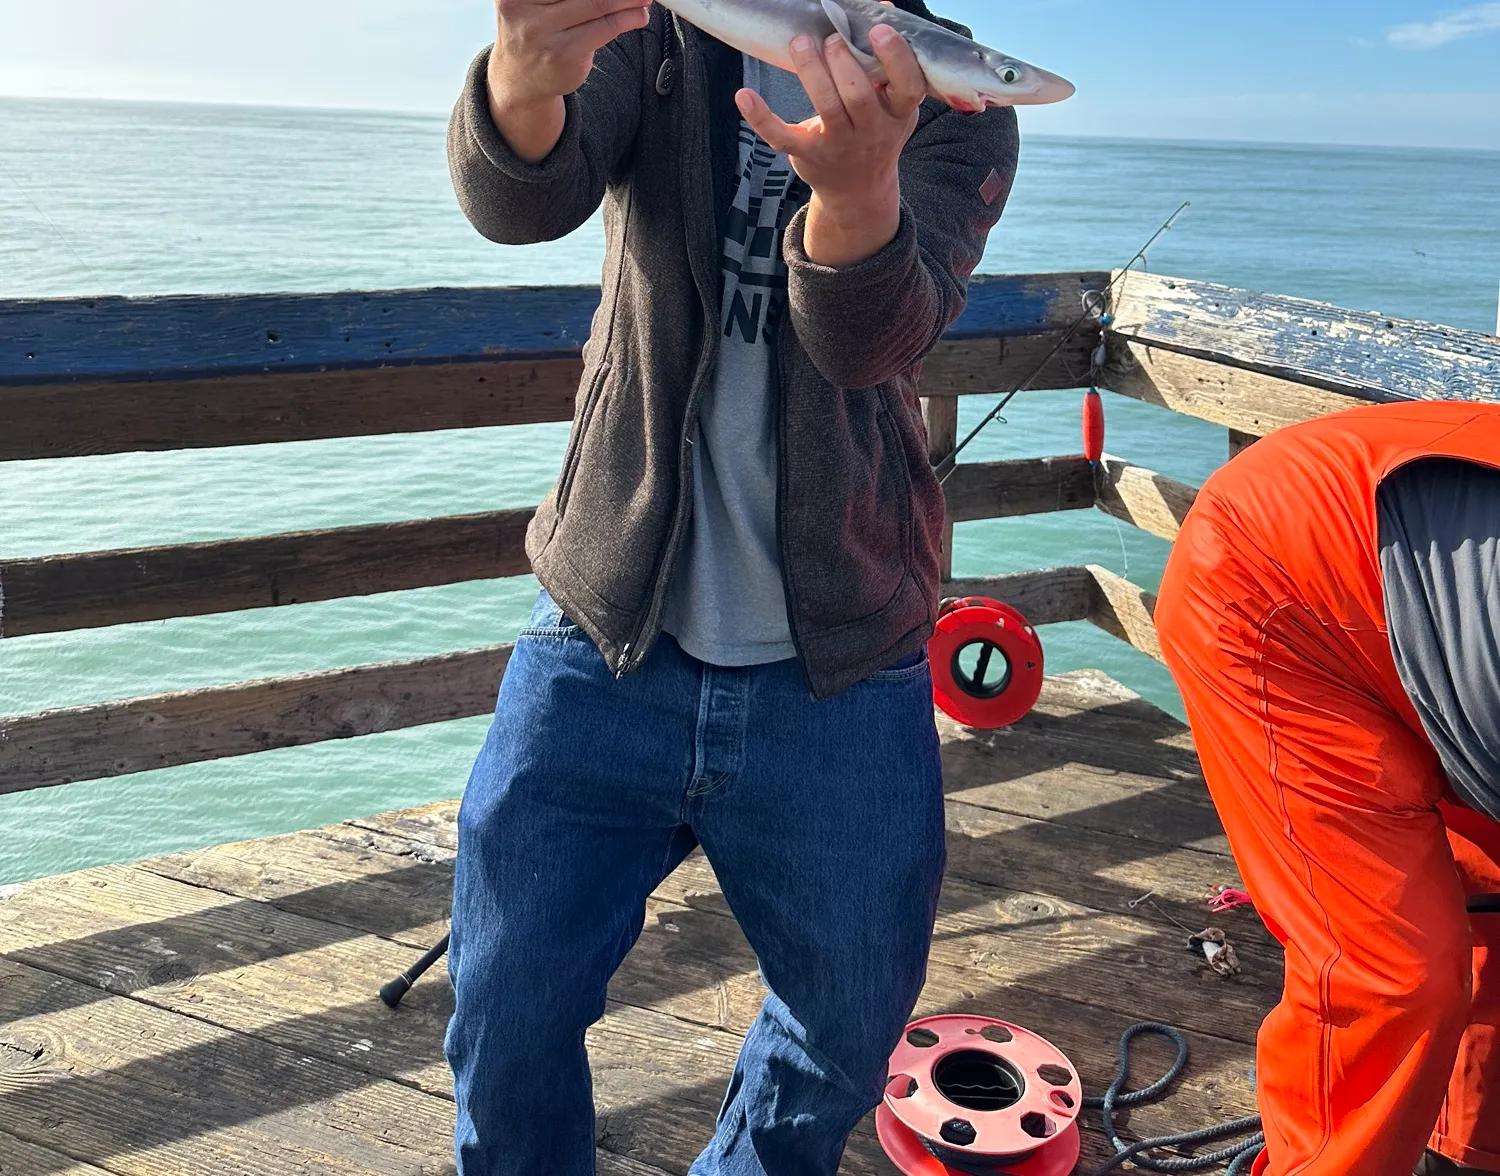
pixel 1009 74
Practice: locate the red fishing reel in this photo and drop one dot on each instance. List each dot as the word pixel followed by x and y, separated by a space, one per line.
pixel 969 1095
pixel 987 665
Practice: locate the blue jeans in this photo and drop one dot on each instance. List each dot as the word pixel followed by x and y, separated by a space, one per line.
pixel 823 821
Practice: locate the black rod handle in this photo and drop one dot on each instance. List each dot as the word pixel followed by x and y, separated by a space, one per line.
pixel 392 993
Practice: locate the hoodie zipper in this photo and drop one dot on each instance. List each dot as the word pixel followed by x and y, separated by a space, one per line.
pixel 781 495
pixel 630 653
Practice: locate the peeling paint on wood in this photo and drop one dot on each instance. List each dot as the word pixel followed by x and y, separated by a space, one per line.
pixel 55 341
pixel 1362 354
pixel 1204 388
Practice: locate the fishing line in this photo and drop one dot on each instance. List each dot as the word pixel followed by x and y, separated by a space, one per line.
pixel 1124 551
pixel 1095 303
pixel 42 212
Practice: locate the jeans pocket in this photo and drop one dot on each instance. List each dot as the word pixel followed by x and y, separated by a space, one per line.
pixel 548 620
pixel 908 669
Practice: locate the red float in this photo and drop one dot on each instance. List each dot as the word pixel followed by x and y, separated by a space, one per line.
pixel 1093 425
pixel 984 695
pixel 982 1095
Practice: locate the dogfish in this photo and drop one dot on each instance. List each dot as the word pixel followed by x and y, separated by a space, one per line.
pixel 966 75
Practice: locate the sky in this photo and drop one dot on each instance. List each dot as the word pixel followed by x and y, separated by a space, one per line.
pixel 1396 72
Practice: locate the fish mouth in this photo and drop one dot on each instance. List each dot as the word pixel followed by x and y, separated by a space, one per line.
pixel 1046 88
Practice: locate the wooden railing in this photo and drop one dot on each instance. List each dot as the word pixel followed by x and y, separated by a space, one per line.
pixel 121 375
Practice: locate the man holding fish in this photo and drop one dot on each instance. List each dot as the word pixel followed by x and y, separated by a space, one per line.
pixel 740 560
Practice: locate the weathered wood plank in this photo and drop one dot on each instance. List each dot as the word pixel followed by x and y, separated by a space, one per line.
pixel 1125 611
pixel 1361 354
pixel 394 887
pixel 118 375
pixel 54 341
pixel 146 1092
pixel 1143 498
pixel 118 1075
pixel 940 415
pixel 309 987
pixel 166 730
pixel 982 366
pixel 1107 767
pixel 63 592
pixel 1005 489
pixel 18 1158
pixel 1230 396
pixel 1050 597
pixel 92 417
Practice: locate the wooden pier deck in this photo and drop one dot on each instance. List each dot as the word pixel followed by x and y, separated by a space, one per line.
pixel 215 1012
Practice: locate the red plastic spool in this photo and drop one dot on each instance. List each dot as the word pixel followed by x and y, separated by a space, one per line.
pixel 982 1094
pixel 969 685
pixel 1093 425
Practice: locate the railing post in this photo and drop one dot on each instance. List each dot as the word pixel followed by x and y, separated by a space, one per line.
pixel 941 416
pixel 1239 442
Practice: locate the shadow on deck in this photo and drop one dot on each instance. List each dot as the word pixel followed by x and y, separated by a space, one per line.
pixel 215 1012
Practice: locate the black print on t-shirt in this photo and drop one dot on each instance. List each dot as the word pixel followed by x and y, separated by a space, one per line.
pixel 752 275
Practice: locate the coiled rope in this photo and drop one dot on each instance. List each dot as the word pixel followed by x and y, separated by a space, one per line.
pixel 1238 1156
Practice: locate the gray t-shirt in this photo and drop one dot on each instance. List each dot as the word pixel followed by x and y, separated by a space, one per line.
pixel 727 606
pixel 1440 561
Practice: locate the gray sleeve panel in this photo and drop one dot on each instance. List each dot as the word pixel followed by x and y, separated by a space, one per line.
pixel 1440 558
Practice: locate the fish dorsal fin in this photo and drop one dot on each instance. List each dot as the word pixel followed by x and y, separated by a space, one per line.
pixel 835 13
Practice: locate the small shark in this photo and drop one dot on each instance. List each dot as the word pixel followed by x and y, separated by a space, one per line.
pixel 965 75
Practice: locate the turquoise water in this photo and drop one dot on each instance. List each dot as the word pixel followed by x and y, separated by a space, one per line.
pixel 137 199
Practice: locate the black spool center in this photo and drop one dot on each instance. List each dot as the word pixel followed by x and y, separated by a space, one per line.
pixel 978 1081
pixel 975 671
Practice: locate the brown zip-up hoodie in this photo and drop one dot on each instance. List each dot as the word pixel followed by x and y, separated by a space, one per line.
pixel 861 514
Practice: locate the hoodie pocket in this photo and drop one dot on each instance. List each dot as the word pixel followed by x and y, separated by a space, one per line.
pixel 849 528
pixel 594 394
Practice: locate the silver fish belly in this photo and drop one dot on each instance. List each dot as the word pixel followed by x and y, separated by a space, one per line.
pixel 960 72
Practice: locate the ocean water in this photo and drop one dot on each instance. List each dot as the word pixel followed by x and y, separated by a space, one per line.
pixel 142 199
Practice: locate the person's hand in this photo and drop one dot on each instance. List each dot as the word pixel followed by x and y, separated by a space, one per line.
pixel 850 153
pixel 544 50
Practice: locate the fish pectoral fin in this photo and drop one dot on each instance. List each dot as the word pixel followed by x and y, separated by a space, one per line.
pixel 835 13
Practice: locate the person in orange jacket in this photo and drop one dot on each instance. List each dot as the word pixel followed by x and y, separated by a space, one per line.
pixel 1331 613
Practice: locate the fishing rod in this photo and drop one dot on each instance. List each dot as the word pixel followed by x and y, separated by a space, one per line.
pixel 1096 303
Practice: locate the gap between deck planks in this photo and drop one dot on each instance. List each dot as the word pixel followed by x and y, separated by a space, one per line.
pixel 283 941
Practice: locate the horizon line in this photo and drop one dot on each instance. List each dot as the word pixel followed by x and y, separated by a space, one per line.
pixel 410 113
